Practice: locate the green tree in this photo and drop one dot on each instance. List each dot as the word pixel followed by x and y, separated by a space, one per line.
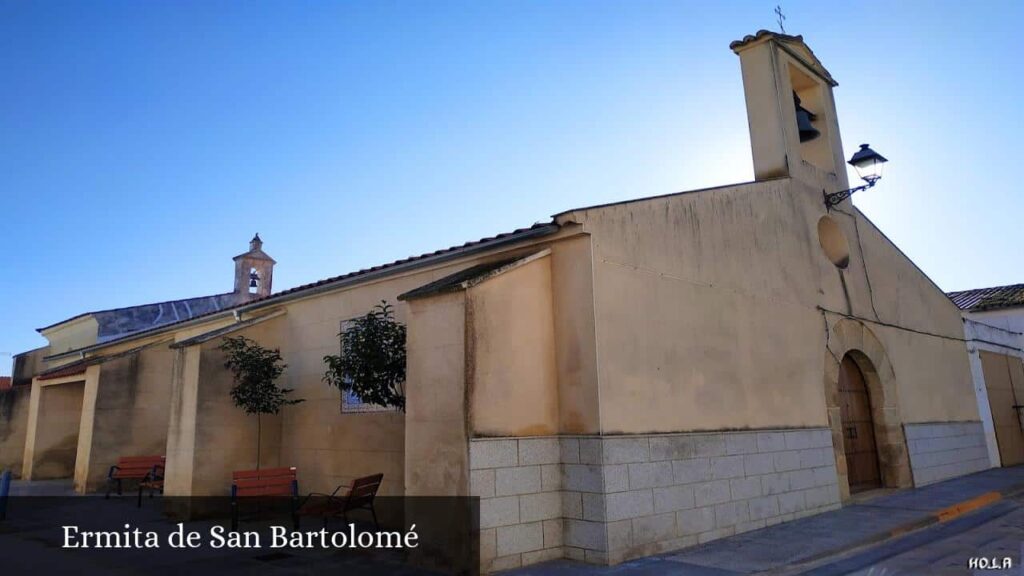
pixel 256 370
pixel 372 360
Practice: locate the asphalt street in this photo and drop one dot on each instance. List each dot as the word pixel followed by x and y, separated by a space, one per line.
pixel 988 541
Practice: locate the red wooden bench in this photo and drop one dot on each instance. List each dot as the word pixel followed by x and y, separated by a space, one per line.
pixel 147 470
pixel 360 496
pixel 262 483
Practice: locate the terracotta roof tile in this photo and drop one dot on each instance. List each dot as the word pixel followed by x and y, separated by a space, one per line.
pixel 995 298
pixel 77 367
pixel 364 271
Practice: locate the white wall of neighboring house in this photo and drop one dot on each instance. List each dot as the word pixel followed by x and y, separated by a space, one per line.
pixel 1000 332
pixel 1011 319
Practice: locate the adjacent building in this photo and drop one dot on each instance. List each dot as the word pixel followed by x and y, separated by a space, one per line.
pixel 623 380
pixel 993 325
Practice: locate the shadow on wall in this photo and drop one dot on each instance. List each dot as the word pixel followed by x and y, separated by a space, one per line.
pixel 58 461
pixel 13 424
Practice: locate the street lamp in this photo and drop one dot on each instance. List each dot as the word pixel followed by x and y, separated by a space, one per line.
pixel 868 165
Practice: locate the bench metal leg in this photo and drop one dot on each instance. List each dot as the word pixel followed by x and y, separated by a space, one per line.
pixel 111 484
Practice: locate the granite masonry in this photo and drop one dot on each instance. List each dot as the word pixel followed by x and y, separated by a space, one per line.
pixel 939 451
pixel 605 499
pixel 519 482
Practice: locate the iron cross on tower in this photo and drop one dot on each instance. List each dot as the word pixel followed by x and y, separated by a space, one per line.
pixel 780 17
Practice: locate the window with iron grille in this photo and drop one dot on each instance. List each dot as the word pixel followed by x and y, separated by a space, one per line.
pixel 350 402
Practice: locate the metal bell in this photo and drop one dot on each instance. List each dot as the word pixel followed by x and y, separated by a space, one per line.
pixel 803 121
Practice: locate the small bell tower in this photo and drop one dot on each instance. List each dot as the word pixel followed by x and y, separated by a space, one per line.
pixel 791 113
pixel 254 271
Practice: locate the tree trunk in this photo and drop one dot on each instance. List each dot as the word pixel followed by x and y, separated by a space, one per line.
pixel 259 437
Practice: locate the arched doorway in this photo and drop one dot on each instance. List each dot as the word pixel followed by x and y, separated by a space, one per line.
pixel 852 340
pixel 858 426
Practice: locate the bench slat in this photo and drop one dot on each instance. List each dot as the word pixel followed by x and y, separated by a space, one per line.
pixel 265 473
pixel 244 484
pixel 266 482
pixel 128 459
pixel 126 475
pixel 249 492
pixel 132 467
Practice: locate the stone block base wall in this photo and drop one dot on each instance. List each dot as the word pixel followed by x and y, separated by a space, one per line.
pixel 606 499
pixel 518 481
pixel 943 450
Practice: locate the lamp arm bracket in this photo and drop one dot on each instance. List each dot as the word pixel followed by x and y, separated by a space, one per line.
pixel 836 197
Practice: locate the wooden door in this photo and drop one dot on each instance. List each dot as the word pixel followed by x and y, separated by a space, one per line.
pixel 1004 381
pixel 858 429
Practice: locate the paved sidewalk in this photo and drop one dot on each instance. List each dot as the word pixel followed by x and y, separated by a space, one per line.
pixel 43 488
pixel 786 547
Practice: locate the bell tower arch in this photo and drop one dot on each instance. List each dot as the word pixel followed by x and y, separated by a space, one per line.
pixel 254 271
pixel 791 113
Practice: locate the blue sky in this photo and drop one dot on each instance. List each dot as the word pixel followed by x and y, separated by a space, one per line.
pixel 143 143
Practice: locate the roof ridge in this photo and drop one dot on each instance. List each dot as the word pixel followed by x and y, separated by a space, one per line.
pixel 120 308
pixel 529 232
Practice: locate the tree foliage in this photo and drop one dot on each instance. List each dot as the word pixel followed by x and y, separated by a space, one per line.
pixel 256 371
pixel 372 360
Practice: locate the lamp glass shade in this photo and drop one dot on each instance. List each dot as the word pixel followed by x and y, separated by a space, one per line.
pixel 868 164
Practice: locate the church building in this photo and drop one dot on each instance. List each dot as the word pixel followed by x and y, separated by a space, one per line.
pixel 624 380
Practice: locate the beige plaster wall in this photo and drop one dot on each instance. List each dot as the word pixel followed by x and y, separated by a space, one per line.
pixel 130 413
pixel 181 426
pixel 920 328
pixel 437 439
pixel 14 403
pixel 572 290
pixel 71 336
pixel 932 376
pixel 513 389
pixel 225 436
pixel 55 446
pixel 709 312
pixel 27 365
